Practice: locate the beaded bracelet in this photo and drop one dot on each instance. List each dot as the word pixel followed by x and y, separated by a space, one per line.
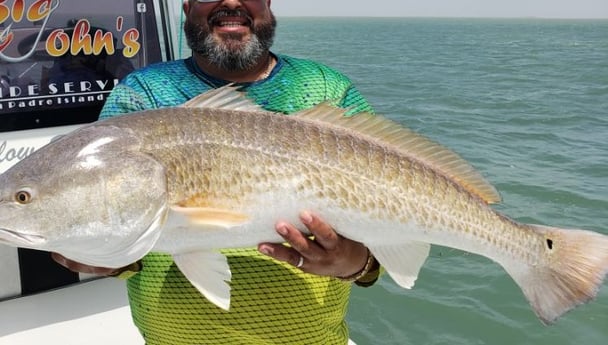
pixel 363 272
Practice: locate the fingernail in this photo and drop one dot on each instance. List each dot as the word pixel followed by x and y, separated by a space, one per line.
pixel 265 250
pixel 282 229
pixel 306 217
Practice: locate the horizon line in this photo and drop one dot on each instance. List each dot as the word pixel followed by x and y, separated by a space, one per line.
pixel 439 17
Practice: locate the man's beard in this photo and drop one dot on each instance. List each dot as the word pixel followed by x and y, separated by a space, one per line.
pixel 230 53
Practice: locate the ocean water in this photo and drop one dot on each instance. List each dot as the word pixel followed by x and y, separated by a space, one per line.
pixel 526 102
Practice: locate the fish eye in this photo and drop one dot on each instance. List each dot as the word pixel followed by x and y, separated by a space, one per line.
pixel 23 197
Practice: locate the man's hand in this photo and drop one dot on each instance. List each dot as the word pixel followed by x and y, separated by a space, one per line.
pixel 329 254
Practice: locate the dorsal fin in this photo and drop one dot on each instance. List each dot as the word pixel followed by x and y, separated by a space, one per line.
pixel 227 97
pixel 409 142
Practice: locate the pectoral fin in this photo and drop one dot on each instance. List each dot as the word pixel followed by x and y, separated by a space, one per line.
pixel 402 261
pixel 209 273
pixel 211 216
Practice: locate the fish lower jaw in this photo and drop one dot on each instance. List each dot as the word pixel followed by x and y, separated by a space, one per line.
pixel 14 238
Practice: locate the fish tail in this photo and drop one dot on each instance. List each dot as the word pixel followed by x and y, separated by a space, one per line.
pixel 574 269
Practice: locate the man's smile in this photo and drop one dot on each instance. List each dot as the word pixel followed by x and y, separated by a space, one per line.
pixel 231 21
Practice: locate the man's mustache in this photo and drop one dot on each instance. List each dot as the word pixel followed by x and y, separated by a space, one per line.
pixel 229 13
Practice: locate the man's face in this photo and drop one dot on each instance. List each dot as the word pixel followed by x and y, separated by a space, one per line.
pixel 231 37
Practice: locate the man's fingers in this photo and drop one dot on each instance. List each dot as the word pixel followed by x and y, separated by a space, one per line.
pixel 328 254
pixel 282 253
pixel 296 239
pixel 81 268
pixel 324 234
pixel 301 252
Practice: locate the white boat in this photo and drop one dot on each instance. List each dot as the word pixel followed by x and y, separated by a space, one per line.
pixel 58 63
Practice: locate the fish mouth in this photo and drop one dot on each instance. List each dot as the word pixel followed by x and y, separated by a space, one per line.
pixel 15 238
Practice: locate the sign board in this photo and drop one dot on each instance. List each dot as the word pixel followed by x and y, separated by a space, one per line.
pixel 63 53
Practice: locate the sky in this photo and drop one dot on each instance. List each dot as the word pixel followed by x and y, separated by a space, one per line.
pixel 444 8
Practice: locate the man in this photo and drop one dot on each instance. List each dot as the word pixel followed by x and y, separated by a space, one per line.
pixel 294 294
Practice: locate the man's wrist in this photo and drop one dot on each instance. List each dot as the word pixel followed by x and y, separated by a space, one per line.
pixel 368 275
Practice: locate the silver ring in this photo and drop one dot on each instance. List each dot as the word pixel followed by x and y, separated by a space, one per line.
pixel 301 262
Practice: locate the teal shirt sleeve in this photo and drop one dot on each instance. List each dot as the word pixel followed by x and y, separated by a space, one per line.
pixel 123 99
pixel 340 88
pixel 156 86
pixel 355 102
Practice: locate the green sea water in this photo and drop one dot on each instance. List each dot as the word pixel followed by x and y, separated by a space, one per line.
pixel 526 102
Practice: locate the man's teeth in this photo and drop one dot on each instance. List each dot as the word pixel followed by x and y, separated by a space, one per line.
pixel 231 23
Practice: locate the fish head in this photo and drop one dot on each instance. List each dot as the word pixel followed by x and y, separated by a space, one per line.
pixel 91 196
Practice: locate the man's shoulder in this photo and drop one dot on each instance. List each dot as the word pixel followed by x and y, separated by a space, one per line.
pixel 162 81
pixel 310 66
pixel 157 85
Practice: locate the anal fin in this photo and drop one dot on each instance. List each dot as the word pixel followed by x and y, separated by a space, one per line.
pixel 402 261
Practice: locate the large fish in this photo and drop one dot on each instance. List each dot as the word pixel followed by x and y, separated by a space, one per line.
pixel 219 172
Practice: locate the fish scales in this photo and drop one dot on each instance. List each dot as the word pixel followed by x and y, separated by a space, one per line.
pixel 230 145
